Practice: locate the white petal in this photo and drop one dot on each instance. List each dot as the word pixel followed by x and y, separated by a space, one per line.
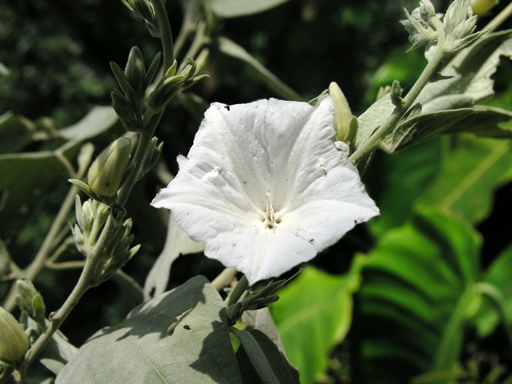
pixel 270 153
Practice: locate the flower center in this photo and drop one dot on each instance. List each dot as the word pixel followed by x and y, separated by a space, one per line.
pixel 270 217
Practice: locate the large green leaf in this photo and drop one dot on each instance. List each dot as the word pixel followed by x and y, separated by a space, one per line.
pixel 499 276
pixel 313 315
pixel 236 8
pixel 232 49
pixel 418 285
pixel 488 122
pixel 179 337
pixel 466 183
pixel 408 174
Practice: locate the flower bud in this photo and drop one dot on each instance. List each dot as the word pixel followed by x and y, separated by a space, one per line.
pixel 13 341
pixel 342 113
pixel 106 173
pixel 29 300
pixel 481 7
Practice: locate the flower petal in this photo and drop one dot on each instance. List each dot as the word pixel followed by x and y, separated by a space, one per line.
pixel 265 187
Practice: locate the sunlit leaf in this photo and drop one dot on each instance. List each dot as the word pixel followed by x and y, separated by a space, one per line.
pixel 473 171
pixel 179 337
pixel 407 175
pixel 236 8
pixel 413 304
pixel 313 315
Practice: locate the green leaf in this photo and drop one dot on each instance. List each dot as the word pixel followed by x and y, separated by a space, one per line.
pixel 177 243
pixel 424 126
pixel 232 49
pixel 236 8
pixel 15 132
pixel 418 286
pixel 179 337
pixel 313 315
pixel 408 174
pixel 499 275
pixel 488 122
pixel 468 76
pixel 465 185
pixel 266 359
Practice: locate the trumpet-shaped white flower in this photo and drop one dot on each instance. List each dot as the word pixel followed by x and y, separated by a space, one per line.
pixel 265 187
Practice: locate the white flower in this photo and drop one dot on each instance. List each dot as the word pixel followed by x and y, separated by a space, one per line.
pixel 265 187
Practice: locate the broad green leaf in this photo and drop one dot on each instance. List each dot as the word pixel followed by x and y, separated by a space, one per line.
pixel 313 315
pixel 15 132
pixel 408 174
pixel 27 176
pixel 179 337
pixel 266 361
pixel 177 243
pixel 465 185
pixel 488 122
pixel 232 49
pixel 499 276
pixel 418 285
pixel 236 8
pixel 424 126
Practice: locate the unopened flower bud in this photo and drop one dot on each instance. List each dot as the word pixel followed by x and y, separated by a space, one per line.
pixel 342 113
pixel 481 7
pixel 136 70
pixel 106 173
pixel 29 300
pixel 13 341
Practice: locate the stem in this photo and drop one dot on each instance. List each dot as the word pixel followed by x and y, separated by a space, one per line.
pixel 165 32
pixel 373 141
pixel 37 265
pixel 499 19
pixel 224 278
pixel 83 284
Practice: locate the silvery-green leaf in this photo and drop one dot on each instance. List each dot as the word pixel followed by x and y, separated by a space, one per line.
pixel 488 122
pixel 179 337
pixel 236 8
pixel 423 126
pixel 469 75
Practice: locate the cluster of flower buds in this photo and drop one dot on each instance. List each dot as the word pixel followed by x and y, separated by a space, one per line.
pixel 128 99
pixel 255 299
pixel 454 30
pixel 30 301
pixel 91 218
pixel 174 80
pixel 13 344
pixel 143 9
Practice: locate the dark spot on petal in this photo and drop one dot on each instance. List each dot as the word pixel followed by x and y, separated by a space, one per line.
pixel 227 107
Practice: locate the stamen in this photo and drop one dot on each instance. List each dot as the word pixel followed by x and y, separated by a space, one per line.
pixel 270 217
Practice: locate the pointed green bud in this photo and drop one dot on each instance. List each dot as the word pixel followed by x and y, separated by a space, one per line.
pixel 136 70
pixel 29 300
pixel 13 341
pixel 106 172
pixel 342 113
pixel 481 7
pixel 172 70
